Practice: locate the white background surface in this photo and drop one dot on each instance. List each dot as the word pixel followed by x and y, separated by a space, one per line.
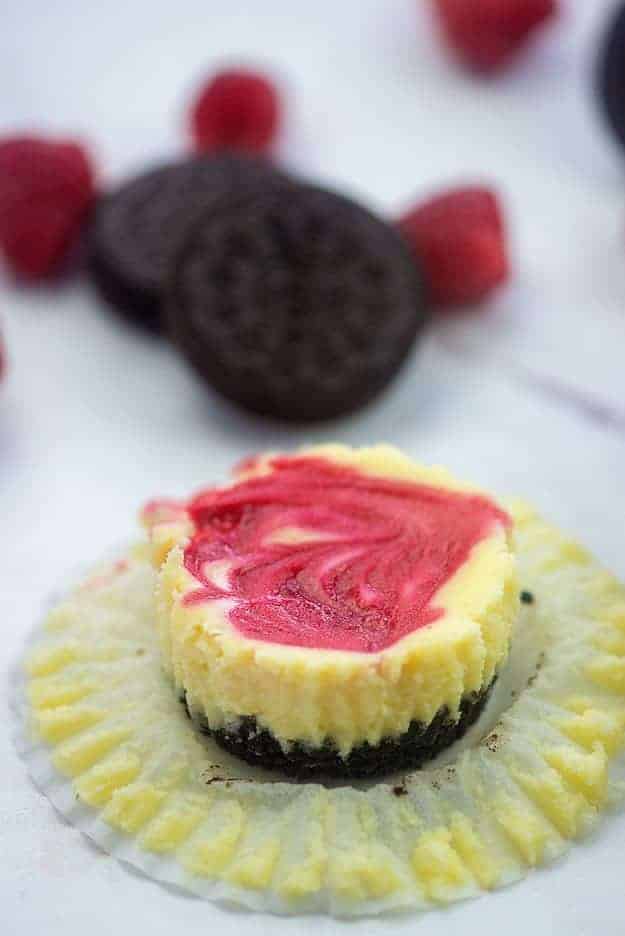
pixel 95 417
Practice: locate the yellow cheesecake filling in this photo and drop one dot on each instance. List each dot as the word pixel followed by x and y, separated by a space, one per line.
pixel 334 594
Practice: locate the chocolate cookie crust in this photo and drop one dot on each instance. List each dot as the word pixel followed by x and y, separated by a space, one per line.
pixel 410 750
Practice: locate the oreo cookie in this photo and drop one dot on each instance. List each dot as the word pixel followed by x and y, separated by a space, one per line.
pixel 294 302
pixel 610 77
pixel 139 227
pixel 409 751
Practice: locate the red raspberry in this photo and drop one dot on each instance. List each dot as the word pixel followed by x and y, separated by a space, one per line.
pixel 486 34
pixel 237 109
pixel 458 238
pixel 46 191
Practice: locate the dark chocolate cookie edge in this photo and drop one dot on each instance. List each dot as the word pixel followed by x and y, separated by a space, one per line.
pixel 410 750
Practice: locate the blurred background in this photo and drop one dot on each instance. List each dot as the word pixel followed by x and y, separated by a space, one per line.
pixel 524 394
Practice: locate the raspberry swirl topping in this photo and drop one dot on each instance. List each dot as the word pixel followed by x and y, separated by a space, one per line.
pixel 317 554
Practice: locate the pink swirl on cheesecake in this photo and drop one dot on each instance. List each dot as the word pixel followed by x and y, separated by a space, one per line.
pixel 321 555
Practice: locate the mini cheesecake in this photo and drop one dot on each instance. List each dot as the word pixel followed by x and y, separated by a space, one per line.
pixel 335 612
